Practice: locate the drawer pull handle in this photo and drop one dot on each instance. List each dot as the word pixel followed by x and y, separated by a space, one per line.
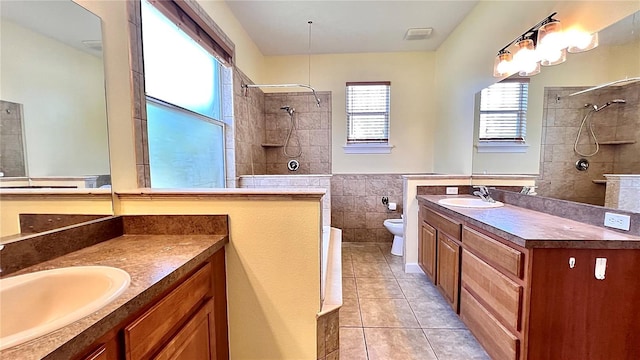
pixel 601 267
pixel 572 262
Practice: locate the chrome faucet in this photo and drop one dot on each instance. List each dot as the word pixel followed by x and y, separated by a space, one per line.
pixel 528 190
pixel 483 193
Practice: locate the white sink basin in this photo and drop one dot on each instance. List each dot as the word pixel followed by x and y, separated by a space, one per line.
pixel 470 203
pixel 35 304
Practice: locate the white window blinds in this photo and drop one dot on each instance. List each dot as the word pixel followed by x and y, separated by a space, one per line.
pixel 368 112
pixel 503 111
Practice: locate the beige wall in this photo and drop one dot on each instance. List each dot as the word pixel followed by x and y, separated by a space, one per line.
pixel 62 93
pixel 464 65
pixel 412 102
pixel 12 206
pixel 273 297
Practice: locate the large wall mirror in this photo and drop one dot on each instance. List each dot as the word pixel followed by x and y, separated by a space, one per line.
pixel 54 121
pixel 554 120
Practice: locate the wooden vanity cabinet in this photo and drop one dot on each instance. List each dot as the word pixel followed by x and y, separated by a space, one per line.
pixel 493 291
pixel 448 279
pixel 187 322
pixel 439 253
pixel 427 250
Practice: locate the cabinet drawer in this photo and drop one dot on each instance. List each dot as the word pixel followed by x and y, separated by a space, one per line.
pixel 500 294
pixel 495 338
pixel 155 326
pixel 443 223
pixel 509 259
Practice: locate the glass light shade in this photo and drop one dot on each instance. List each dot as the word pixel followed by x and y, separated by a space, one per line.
pixel 552 57
pixel 580 41
pixel 526 59
pixel 502 64
pixel 550 35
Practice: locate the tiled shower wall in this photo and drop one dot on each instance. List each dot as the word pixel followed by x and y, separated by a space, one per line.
pixel 357 209
pixel 249 128
pixel 559 177
pixel 11 141
pixel 312 135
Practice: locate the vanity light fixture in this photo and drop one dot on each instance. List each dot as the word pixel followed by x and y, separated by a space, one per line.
pixel 543 44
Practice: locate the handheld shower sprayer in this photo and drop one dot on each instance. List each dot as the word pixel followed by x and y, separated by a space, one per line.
pixel 288 109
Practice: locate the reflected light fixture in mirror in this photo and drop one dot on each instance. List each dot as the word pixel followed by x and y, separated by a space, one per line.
pixel 543 44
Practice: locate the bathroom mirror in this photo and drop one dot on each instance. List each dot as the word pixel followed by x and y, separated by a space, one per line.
pixel 553 124
pixel 54 121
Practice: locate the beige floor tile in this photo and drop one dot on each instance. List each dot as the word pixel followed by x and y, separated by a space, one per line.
pixel 347 269
pixel 373 269
pixel 398 272
pixel 378 288
pixel 364 247
pixel 418 288
pixel 350 313
pixel 398 344
pixel 349 288
pixel 450 344
pixel 387 313
pixel 435 313
pixel 368 256
pixel 352 345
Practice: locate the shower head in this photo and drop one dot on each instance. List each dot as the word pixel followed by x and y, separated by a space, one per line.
pixel 614 101
pixel 288 109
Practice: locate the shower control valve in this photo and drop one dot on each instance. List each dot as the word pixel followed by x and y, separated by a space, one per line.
pixel 385 201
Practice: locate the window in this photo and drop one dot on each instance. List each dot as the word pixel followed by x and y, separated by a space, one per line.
pixel 368 117
pixel 183 88
pixel 503 116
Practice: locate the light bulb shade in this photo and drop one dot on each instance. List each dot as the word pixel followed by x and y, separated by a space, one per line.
pixel 525 60
pixel 580 41
pixel 502 64
pixel 551 57
pixel 550 36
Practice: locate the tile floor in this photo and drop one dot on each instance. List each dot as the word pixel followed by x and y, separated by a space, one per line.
pixel 390 315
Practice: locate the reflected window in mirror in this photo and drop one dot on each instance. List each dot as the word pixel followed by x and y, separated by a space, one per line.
pixel 183 88
pixel 502 108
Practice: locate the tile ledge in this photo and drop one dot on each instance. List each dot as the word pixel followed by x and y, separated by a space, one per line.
pixel 276 194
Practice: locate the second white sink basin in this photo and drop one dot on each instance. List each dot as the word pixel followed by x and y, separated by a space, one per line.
pixel 35 304
pixel 470 203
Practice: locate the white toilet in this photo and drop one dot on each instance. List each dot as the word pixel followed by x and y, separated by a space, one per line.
pixel 395 227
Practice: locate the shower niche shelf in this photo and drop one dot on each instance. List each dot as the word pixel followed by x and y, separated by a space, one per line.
pixel 617 142
pixel 599 182
pixel 272 145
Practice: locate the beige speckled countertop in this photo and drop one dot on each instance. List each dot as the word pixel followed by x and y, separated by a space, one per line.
pixel 533 229
pixel 154 262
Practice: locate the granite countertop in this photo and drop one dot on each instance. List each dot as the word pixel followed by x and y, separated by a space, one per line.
pixel 154 262
pixel 533 229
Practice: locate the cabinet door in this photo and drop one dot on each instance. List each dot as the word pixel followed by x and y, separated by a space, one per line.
pixel 196 339
pixel 448 273
pixel 427 250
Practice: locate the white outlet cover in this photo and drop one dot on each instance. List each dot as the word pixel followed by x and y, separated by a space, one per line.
pixel 617 221
pixel 452 190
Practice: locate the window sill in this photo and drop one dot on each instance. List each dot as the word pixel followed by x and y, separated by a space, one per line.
pixel 367 148
pixel 501 147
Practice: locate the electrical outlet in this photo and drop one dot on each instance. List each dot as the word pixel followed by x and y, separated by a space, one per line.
pixel 617 221
pixel 452 190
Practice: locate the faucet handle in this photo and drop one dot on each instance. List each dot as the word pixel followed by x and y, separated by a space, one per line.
pixel 483 189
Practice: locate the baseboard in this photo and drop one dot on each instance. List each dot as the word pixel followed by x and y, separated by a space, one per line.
pixel 413 268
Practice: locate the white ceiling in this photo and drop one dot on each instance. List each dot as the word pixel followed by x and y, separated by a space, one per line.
pixel 62 20
pixel 341 26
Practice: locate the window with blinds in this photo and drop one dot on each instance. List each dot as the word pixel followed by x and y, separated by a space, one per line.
pixel 368 112
pixel 503 111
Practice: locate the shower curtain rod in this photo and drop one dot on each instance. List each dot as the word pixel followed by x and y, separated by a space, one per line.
pixel 247 86
pixel 633 79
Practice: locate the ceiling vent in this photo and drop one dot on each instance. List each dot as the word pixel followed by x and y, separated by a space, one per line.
pixel 418 33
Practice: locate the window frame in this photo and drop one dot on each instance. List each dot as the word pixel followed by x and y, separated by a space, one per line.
pixel 368 146
pixel 515 144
